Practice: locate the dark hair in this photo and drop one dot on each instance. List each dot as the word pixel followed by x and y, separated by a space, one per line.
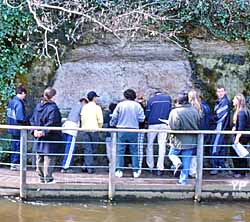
pixel 130 94
pixel 48 94
pixel 182 98
pixel 84 99
pixel 219 86
pixel 112 106
pixel 20 90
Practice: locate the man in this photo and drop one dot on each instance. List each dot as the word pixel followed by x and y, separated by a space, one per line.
pixel 91 118
pixel 158 107
pixel 16 116
pixel 221 119
pixel 183 117
pixel 73 121
pixel 127 115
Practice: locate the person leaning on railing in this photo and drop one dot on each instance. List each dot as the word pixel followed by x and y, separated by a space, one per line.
pixel 241 122
pixel 46 114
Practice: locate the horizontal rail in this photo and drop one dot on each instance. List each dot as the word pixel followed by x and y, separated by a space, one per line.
pixel 111 130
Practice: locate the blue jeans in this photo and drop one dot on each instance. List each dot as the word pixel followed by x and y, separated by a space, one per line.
pixel 130 138
pixel 185 159
pixel 15 147
pixel 89 147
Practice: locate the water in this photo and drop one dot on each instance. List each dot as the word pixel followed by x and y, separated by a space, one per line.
pixel 14 211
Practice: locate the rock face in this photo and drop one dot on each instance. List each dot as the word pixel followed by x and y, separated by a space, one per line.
pixel 218 62
pixel 111 69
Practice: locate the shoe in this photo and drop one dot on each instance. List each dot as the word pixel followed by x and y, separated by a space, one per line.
pixel 118 173
pixel 180 183
pixel 179 166
pixel 14 167
pixel 67 170
pixel 50 181
pixel 90 171
pixel 213 172
pixel 159 173
pixel 136 174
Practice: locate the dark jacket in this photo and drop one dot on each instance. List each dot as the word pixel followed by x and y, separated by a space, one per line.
pixel 16 115
pixel 205 118
pixel 221 113
pixel 243 123
pixel 185 117
pixel 47 114
pixel 158 107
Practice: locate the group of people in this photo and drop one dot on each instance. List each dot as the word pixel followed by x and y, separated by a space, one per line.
pixel 188 112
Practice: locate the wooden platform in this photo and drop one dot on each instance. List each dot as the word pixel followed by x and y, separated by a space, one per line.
pixel 79 185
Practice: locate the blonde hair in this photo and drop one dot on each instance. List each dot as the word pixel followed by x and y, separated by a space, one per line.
pixel 194 100
pixel 240 106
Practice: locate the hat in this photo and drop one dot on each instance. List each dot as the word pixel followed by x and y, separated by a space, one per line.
pixel 91 95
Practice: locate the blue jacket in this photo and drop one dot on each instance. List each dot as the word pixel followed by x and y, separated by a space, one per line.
pixel 158 106
pixel 221 113
pixel 16 114
pixel 47 114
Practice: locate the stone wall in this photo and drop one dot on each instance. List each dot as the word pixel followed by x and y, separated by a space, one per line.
pixel 110 69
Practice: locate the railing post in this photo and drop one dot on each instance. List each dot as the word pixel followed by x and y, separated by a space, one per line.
pixel 112 167
pixel 23 161
pixel 200 151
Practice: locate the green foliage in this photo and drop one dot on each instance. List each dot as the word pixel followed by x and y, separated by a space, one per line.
pixel 15 50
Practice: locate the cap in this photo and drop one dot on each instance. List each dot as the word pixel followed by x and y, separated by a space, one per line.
pixel 91 95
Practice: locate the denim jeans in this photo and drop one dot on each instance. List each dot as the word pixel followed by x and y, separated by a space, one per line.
pixel 185 160
pixel 15 147
pixel 131 139
pixel 90 146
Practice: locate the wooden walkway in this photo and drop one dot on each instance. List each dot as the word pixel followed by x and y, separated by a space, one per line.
pixel 78 185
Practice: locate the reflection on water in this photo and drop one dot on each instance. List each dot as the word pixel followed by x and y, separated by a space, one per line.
pixel 11 211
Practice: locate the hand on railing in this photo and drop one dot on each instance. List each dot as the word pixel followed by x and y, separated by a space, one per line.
pixel 38 133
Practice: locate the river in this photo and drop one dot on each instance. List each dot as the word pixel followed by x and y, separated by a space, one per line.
pixel 101 211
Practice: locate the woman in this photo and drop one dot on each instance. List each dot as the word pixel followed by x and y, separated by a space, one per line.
pixel 194 100
pixel 241 122
pixel 46 114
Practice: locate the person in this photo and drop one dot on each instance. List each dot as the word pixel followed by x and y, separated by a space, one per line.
pixel 158 107
pixel 107 118
pixel 91 118
pixel 241 122
pixel 73 121
pixel 204 110
pixel 127 115
pixel 46 113
pixel 221 119
pixel 183 117
pixel 16 116
pixel 140 98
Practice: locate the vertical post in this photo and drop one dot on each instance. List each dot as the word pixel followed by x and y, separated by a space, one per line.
pixel 200 150
pixel 23 161
pixel 112 167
